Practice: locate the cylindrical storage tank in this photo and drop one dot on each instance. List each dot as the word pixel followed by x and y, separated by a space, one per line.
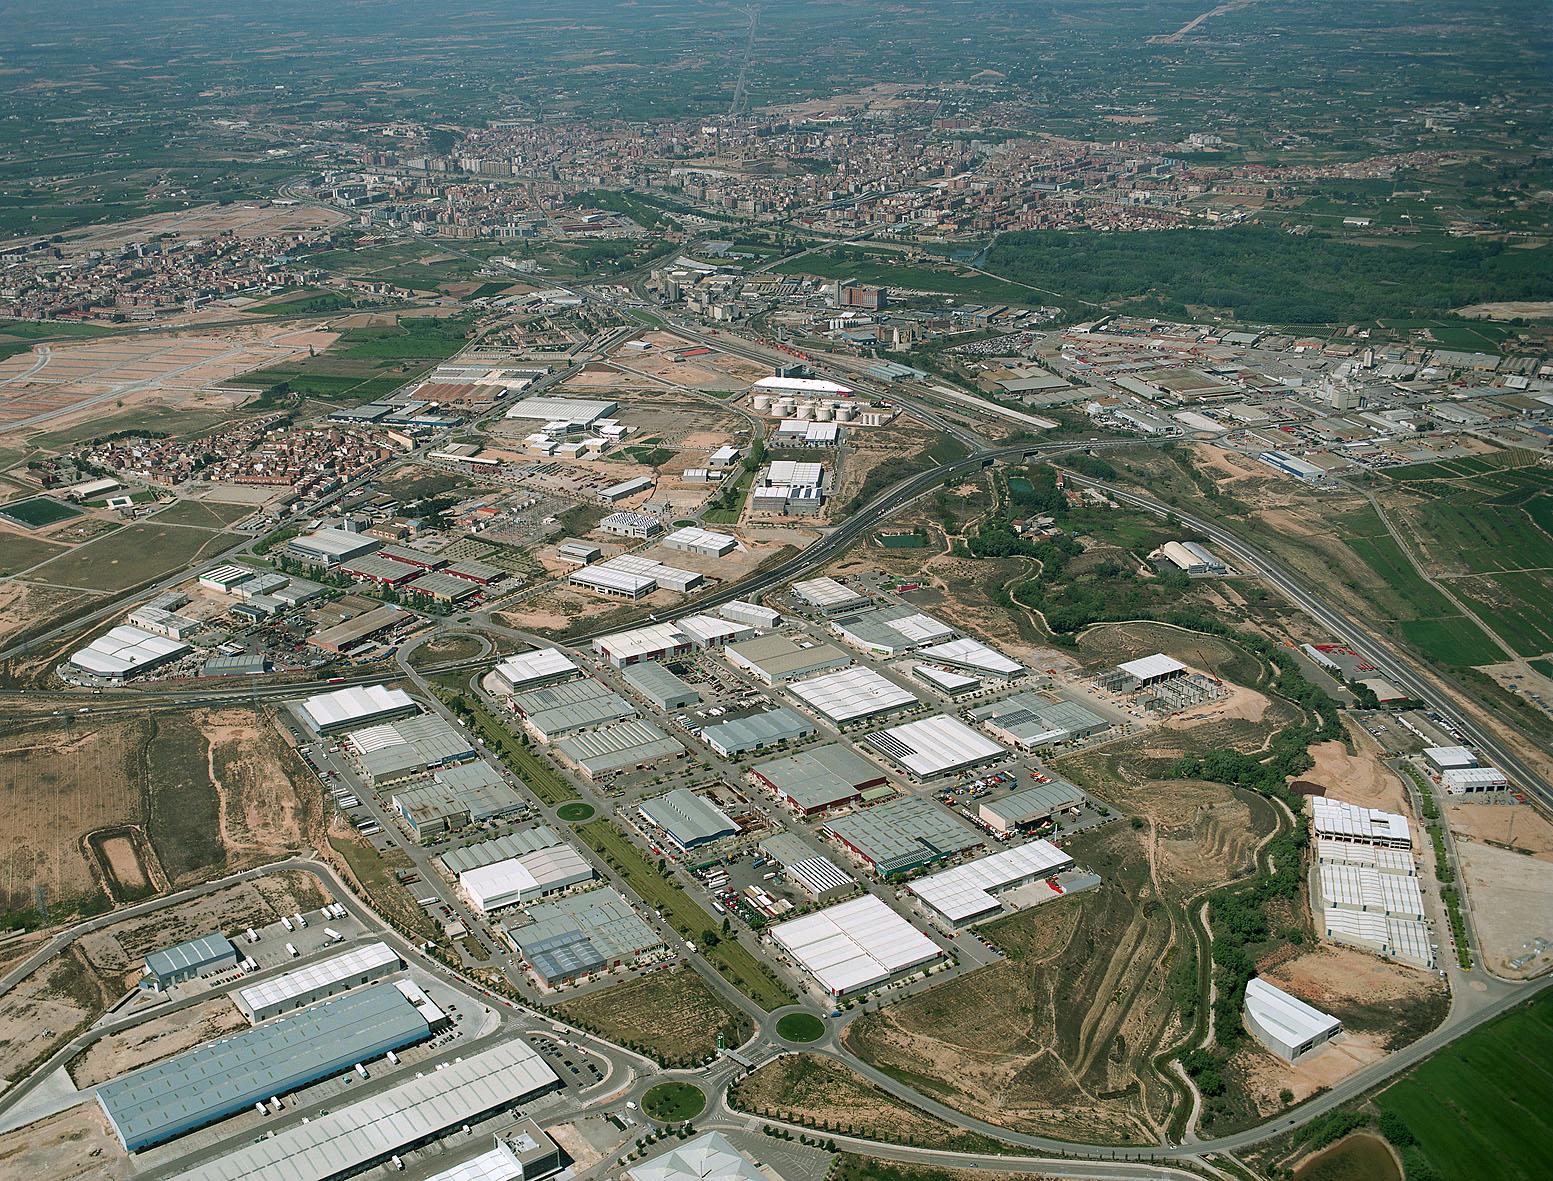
pixel 845 413
pixel 782 407
pixel 762 402
pixel 804 410
pixel 823 413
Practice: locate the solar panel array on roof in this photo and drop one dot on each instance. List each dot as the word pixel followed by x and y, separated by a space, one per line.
pixel 214 1080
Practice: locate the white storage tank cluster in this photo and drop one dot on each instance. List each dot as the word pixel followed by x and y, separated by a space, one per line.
pixel 763 402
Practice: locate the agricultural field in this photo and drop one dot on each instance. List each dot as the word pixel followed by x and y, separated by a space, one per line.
pixel 205 514
pixel 1482 1109
pixel 366 362
pixel 168 797
pixel 670 1015
pixel 130 556
pixel 824 1093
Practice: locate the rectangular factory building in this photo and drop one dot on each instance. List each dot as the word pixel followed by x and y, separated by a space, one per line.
pixel 750 614
pixel 1150 670
pixel 125 651
pixel 969 892
pixel 972 656
pixel 710 631
pixel 185 961
pixel 657 641
pixel 902 834
pixel 827 596
pixel 558 710
pixel 638 526
pixel 855 945
pixel 934 746
pixel 1285 1024
pixel 524 879
pixel 316 981
pixel 819 877
pixel 890 631
pixel 1342 821
pixel 1030 721
pixel 570 411
pixel 852 694
pixel 758 729
pixel 694 540
pixel 218 1079
pixel 344 709
pixel 773 660
pixel 660 687
pixel 1466 780
pixel 530 670
pixel 630 745
pixel 1031 806
pixel 582 934
pixel 494 849
pixel 813 781
pixel 686 819
pixel 349 1139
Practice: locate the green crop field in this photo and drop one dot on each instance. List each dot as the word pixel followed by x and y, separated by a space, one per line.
pixel 1482 1110
pixel 366 363
pixel 38 511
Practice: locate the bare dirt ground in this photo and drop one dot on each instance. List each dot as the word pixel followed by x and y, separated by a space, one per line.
pixel 1512 904
pixel 1240 703
pixel 261 815
pixel 152 1041
pixel 1512 309
pixel 79 381
pixel 1359 778
pixel 1521 827
pixel 75 1145
pixel 1371 996
pixel 47 1008
pixel 249 219
pixel 1265 1075
pixel 124 862
pixel 24 604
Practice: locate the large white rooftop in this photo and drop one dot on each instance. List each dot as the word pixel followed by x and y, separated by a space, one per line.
pixel 1293 1021
pixel 855 944
pixel 851 693
pixel 641 642
pixel 972 654
pixel 328 710
pixel 539 665
pixel 966 891
pixel 803 385
pixel 1148 668
pixel 125 649
pixel 1351 822
pixel 933 746
pixel 825 592
pixel 341 1141
pixel 321 974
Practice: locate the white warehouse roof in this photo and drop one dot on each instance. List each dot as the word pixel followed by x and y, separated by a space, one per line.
pixel 310 977
pixel 855 944
pixel 802 385
pixel 1148 668
pixel 933 746
pixel 1290 1019
pixel 539 665
pixel 967 890
pixel 124 649
pixel 972 654
pixel 851 693
pixel 1345 821
pixel 325 710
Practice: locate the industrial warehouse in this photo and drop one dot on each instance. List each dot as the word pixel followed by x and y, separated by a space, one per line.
pixel 1030 806
pixel 930 747
pixel 314 982
pixel 852 694
pixel 581 935
pixel 686 819
pixel 818 779
pixel 971 891
pixel 345 709
pixel 219 1078
pixel 1030 721
pixel 855 945
pixel 516 880
pixel 902 834
pixel 350 1139
pixel 1285 1024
